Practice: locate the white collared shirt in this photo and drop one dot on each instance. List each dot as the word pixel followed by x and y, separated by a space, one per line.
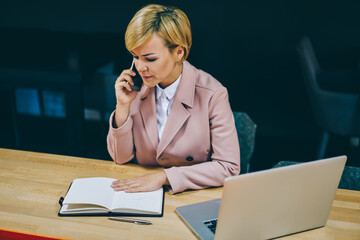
pixel 164 100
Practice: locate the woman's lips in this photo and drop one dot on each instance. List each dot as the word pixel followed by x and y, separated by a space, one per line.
pixel 146 77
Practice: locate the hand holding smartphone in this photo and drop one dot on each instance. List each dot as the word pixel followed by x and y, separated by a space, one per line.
pixel 136 79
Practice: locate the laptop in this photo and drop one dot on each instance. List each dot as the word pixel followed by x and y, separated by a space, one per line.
pixel 268 204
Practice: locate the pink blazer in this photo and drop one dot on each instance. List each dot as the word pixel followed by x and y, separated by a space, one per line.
pixel 199 147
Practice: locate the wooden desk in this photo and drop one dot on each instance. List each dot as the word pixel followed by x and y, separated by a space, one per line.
pixel 31 184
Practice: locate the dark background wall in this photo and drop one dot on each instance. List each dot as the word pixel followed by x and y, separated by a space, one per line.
pixel 249 46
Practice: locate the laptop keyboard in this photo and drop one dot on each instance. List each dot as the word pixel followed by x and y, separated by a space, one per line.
pixel 211 224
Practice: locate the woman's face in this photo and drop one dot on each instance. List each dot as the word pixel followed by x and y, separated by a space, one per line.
pixel 156 64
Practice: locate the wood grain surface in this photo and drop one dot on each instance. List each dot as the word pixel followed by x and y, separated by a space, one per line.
pixel 32 183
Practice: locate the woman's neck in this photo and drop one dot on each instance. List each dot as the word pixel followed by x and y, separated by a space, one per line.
pixel 173 76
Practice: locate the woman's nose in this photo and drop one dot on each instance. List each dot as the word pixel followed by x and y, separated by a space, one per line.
pixel 141 67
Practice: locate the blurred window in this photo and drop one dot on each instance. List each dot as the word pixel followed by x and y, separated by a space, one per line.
pixel 27 101
pixel 54 104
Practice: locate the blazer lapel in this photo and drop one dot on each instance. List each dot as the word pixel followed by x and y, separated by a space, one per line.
pixel 148 113
pixel 178 115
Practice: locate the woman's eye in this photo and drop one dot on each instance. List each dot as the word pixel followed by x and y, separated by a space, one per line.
pixel 151 59
pixel 136 57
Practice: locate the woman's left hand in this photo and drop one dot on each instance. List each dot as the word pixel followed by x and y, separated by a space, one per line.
pixel 144 183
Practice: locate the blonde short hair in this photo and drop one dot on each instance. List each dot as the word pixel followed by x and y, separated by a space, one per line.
pixel 170 23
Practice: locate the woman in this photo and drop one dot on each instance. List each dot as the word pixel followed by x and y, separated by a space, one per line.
pixel 180 119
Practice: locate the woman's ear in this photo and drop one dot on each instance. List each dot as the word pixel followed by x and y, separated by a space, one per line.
pixel 179 52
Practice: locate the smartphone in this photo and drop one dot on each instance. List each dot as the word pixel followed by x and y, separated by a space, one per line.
pixel 136 79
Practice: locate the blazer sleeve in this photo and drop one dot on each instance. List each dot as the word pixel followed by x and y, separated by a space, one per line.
pixel 120 142
pixel 225 157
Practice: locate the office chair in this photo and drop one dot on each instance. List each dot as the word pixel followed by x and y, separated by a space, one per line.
pixel 246 130
pixel 335 105
pixel 350 178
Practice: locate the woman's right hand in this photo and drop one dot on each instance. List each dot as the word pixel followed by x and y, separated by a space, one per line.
pixel 123 92
pixel 124 96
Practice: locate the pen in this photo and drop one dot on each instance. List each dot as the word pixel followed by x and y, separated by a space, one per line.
pixel 131 220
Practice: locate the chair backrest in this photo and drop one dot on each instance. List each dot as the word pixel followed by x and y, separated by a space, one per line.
pixel 334 112
pixel 308 61
pixel 350 178
pixel 246 130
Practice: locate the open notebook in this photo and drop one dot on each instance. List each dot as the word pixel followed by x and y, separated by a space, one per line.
pixel 95 197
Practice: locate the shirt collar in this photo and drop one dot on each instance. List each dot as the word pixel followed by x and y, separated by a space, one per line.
pixel 169 91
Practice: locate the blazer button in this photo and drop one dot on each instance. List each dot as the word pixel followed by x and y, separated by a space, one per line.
pixel 189 158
